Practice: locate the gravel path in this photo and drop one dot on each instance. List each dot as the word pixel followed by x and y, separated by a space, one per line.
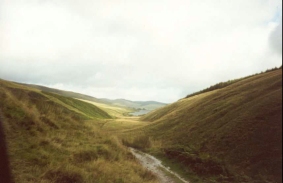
pixel 164 174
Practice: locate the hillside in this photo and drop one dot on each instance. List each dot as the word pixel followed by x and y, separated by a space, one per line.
pixel 57 139
pixel 148 105
pixel 232 134
pixel 66 93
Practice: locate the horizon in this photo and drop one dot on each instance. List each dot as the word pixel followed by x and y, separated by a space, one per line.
pixel 138 50
pixel 113 99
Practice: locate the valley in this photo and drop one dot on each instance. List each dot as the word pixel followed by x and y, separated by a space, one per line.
pixel 229 134
pixel 117 91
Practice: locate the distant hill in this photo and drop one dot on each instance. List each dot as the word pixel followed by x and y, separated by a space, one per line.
pixel 148 105
pixel 230 134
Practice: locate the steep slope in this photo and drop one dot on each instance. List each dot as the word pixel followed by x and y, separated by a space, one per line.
pixel 235 132
pixel 87 109
pixel 104 104
pixel 56 139
pixel 64 93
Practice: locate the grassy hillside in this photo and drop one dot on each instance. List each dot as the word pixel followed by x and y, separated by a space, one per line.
pixel 56 139
pixel 114 111
pixel 65 93
pixel 232 134
pixel 104 104
pixel 89 110
pixel 227 83
pixel 122 103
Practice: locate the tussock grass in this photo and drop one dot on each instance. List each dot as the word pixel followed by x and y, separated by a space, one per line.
pixel 142 142
pixel 231 134
pixel 63 175
pixel 50 140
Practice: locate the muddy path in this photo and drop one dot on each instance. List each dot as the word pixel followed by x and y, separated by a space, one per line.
pixel 164 174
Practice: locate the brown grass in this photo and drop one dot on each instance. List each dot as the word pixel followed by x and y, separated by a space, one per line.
pixel 238 127
pixel 50 141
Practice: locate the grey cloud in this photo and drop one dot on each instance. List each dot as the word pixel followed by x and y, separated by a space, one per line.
pixel 276 38
pixel 47 72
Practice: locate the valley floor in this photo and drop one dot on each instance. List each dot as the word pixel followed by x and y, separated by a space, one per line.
pixel 123 125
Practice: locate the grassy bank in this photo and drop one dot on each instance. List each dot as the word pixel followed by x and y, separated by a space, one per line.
pixel 232 134
pixel 58 139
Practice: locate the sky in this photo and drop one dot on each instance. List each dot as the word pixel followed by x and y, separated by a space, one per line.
pixel 138 49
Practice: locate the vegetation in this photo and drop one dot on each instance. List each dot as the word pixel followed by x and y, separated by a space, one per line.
pixel 119 103
pixel 114 111
pixel 228 133
pixel 227 83
pixel 89 110
pixel 233 134
pixel 57 139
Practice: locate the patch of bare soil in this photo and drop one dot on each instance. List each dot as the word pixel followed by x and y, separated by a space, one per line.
pixel 164 174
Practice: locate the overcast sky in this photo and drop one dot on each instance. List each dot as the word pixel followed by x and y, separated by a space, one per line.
pixel 138 49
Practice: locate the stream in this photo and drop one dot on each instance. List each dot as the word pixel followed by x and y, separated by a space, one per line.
pixel 140 112
pixel 164 174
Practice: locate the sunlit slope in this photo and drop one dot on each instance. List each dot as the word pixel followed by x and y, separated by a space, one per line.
pixel 55 139
pixel 120 103
pixel 239 126
pixel 87 109
pixel 65 93
pixel 104 104
pixel 29 93
pixel 148 105
pixel 113 110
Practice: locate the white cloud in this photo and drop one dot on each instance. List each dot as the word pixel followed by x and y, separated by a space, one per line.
pixel 140 50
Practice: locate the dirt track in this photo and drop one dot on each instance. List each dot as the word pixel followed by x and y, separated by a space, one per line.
pixel 164 174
